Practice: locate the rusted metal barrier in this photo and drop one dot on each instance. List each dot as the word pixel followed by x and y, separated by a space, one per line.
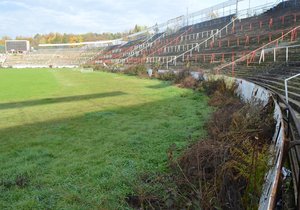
pixel 292 147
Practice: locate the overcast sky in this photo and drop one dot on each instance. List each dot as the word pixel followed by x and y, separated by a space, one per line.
pixel 29 17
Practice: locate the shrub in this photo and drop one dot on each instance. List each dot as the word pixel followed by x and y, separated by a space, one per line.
pixel 226 170
pixel 168 76
pixel 212 86
pixel 189 82
pixel 181 75
pixel 139 70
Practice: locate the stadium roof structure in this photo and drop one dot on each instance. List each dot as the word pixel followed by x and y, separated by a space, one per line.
pixel 103 43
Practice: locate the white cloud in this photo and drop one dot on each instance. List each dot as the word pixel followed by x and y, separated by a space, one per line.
pixel 28 17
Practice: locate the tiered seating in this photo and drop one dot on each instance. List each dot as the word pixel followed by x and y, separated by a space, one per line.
pixel 241 38
pixel 196 34
pixel 118 52
pixel 2 59
pixel 274 68
pixel 273 77
pixel 50 57
pixel 271 70
pixel 161 43
pixel 217 46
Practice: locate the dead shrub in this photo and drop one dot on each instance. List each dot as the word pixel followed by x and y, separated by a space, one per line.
pixel 189 82
pixel 181 75
pixel 225 171
pixel 212 86
pixel 228 169
pixel 167 76
pixel 138 70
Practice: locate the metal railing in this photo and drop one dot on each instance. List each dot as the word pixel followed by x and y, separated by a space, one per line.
pixel 286 87
pixel 241 14
pixel 147 44
pixel 275 50
pixel 291 119
pixel 257 10
pixel 190 18
pixel 213 36
pixel 254 53
pixel 293 144
pixel 292 134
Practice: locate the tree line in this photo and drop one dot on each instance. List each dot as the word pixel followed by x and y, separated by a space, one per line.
pixel 57 38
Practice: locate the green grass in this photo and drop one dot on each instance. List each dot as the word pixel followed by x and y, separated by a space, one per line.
pixel 72 140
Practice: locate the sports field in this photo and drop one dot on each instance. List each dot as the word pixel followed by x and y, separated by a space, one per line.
pixel 72 140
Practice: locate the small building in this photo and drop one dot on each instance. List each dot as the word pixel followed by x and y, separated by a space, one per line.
pixel 17 46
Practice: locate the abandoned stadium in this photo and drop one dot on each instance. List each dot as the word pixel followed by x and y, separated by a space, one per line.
pixel 199 112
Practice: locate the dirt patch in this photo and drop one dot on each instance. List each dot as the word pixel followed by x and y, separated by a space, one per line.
pixel 148 202
pixel 21 181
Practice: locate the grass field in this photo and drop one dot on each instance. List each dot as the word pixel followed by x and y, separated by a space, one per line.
pixel 72 140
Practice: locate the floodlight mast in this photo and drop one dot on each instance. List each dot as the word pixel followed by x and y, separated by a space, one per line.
pixel 237 7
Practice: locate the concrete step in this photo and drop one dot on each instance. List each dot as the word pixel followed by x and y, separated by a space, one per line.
pixel 293 95
pixel 295 104
pixel 283 73
pixel 277 70
pixel 293 88
pixel 291 83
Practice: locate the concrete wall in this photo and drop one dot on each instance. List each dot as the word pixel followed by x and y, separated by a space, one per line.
pixel 252 93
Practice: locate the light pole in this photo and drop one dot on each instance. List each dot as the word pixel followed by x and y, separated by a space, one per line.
pixel 249 8
pixel 237 7
pixel 187 16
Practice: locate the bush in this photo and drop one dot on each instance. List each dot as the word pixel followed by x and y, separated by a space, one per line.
pixel 169 76
pixel 181 75
pixel 95 67
pixel 212 86
pixel 189 82
pixel 139 70
pixel 227 169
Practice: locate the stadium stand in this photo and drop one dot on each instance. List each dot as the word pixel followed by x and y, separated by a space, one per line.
pixel 60 57
pixel 263 49
pixel 2 59
pixel 162 42
pixel 239 38
pixel 244 36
